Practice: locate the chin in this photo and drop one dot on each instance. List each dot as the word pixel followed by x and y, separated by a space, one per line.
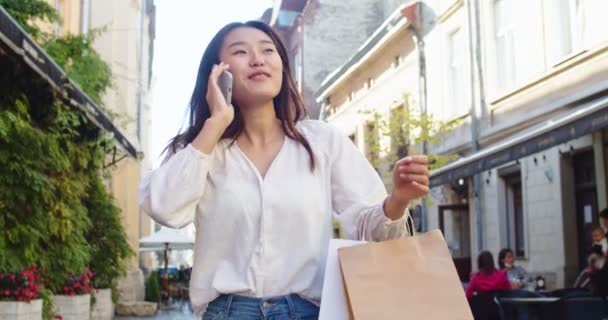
pixel 262 95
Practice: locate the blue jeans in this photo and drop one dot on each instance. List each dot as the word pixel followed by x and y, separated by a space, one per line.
pixel 232 307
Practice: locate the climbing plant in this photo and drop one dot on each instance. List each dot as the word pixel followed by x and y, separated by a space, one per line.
pixel 55 212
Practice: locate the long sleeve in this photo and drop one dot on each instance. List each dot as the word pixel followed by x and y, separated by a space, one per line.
pixel 472 286
pixel 503 282
pixel 358 193
pixel 171 193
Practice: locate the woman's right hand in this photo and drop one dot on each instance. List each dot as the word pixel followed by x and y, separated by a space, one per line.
pixel 221 112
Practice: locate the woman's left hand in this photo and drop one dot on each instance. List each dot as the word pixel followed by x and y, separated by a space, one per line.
pixel 410 179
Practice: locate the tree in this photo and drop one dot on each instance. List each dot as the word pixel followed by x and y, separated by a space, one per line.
pixel 403 132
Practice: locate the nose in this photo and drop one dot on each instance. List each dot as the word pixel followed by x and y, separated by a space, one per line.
pixel 257 60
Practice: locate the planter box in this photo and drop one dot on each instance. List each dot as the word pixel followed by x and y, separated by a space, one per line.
pixel 103 308
pixel 18 310
pixel 73 307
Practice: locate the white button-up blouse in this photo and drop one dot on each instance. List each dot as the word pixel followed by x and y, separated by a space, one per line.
pixel 268 236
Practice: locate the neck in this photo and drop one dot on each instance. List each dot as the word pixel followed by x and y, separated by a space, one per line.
pixel 261 124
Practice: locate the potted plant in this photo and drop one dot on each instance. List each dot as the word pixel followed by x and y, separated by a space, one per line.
pixel 109 247
pixel 19 295
pixel 75 300
pixel 153 288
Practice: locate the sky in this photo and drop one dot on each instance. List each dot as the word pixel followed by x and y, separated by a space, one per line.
pixel 183 30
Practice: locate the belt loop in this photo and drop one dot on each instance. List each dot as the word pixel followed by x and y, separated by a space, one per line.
pixel 228 304
pixel 292 309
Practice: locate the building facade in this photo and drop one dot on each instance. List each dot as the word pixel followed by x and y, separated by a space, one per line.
pixel 126 45
pixel 321 34
pixel 528 84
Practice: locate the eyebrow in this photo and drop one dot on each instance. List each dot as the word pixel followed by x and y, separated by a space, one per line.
pixel 237 43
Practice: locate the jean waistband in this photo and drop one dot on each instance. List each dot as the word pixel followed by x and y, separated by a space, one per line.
pixel 289 304
pixel 246 299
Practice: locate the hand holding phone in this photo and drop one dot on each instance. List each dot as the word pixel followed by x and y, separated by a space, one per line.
pixel 225 84
pixel 219 95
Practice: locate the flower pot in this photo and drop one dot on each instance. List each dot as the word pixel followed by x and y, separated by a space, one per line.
pixel 103 308
pixel 19 310
pixel 76 307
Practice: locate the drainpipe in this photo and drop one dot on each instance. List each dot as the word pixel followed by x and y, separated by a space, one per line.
pixel 477 88
pixel 140 87
pixel 418 26
pixel 422 92
pixel 85 10
pixel 139 97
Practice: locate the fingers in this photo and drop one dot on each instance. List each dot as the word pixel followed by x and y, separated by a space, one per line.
pixel 418 159
pixel 418 178
pixel 217 70
pixel 213 88
pixel 422 189
pixel 413 169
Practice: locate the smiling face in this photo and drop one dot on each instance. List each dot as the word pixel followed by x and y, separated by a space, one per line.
pixel 597 235
pixel 255 64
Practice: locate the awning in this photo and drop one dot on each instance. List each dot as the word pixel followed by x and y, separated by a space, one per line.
pixel 587 118
pixel 167 238
pixel 15 41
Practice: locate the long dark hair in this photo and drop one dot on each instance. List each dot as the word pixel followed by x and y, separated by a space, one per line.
pixel 288 104
pixel 501 257
pixel 485 262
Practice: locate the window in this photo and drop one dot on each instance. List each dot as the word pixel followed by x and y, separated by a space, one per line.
pixel 397 61
pixel 370 82
pixel 572 26
pixel 458 85
pixel 591 20
pixel 558 30
pixel 504 19
pixel 514 213
pixel 587 22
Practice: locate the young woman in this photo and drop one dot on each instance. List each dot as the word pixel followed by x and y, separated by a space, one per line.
pixel 518 276
pixel 261 185
pixel 488 278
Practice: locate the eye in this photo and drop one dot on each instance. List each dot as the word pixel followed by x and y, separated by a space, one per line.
pixel 239 52
pixel 268 50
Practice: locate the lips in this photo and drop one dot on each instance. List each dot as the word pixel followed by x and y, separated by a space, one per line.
pixel 259 75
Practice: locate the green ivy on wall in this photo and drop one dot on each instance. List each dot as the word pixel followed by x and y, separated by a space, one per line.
pixel 55 211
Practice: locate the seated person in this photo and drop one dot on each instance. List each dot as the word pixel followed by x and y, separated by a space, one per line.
pixel 595 262
pixel 518 276
pixel 599 239
pixel 604 221
pixel 598 272
pixel 488 278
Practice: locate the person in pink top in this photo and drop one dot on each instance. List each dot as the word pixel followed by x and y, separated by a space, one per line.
pixel 488 278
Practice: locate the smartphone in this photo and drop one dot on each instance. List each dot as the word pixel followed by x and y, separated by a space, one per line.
pixel 225 84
